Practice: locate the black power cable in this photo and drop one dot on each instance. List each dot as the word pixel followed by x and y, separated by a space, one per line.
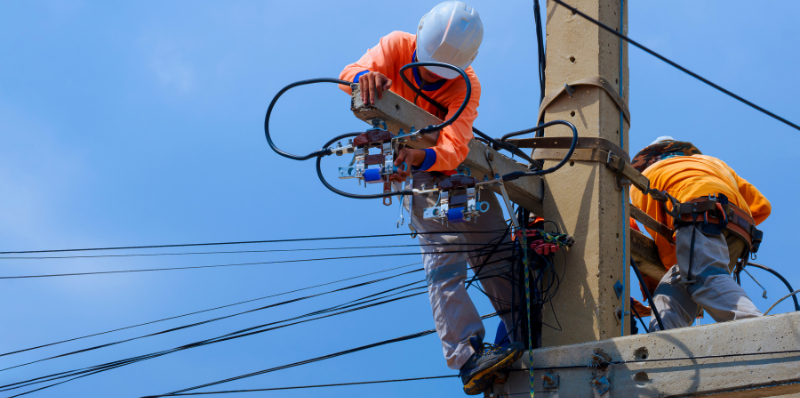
pixel 537 16
pixel 202 311
pixel 779 276
pixel 242 242
pixel 355 383
pixel 250 331
pixel 487 139
pixel 681 68
pixel 425 130
pixel 323 152
pixel 227 265
pixel 317 359
pixel 653 308
pixel 467 95
pixel 518 174
pixel 348 194
pixel 243 251
pixel 639 317
pixel 207 321
pixel 88 371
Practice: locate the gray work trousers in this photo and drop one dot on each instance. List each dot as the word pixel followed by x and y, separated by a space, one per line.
pixel 715 290
pixel 454 314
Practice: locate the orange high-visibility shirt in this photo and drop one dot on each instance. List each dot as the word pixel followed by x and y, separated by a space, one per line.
pixel 395 51
pixel 690 177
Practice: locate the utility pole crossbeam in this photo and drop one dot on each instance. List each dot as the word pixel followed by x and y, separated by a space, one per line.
pixel 584 198
pixel 730 375
pixel 645 253
pixel 398 113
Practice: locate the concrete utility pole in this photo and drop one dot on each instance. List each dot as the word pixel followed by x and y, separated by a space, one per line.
pixel 585 199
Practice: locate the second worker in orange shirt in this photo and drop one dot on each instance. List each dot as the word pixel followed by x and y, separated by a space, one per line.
pixel 716 228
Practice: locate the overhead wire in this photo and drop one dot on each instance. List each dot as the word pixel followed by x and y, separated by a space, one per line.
pixel 204 322
pixel 355 383
pixel 88 371
pixel 184 391
pixel 676 65
pixel 247 242
pixel 542 55
pixel 317 359
pixel 242 251
pixel 202 311
pixel 447 376
pixel 225 265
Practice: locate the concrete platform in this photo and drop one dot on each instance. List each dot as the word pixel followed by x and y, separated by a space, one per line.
pixel 727 376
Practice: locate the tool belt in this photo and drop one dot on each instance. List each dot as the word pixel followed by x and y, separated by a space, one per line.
pixel 714 214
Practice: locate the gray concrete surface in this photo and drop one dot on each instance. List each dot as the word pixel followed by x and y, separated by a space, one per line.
pixel 730 376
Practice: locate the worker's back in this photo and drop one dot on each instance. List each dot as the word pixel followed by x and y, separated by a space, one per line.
pixel 690 177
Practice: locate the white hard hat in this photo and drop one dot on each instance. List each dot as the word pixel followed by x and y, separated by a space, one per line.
pixel 663 138
pixel 451 33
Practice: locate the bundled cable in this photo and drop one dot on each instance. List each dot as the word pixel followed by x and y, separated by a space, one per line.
pixel 195 324
pixel 201 311
pixel 227 265
pixel 248 242
pixel 312 360
pixel 381 298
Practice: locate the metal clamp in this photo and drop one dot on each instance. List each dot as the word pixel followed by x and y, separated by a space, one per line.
pixel 620 163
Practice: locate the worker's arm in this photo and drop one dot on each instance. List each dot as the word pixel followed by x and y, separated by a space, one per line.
pixel 760 208
pixel 377 62
pixel 452 147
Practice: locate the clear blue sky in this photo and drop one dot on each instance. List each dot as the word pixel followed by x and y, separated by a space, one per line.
pixel 141 123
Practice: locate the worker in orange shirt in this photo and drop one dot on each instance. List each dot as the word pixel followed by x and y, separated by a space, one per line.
pixel 450 33
pixel 714 212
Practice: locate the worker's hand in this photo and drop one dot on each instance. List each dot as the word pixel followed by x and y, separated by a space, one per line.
pixel 412 157
pixel 373 84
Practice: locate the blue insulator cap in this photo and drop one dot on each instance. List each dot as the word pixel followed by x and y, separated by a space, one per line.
pixel 455 215
pixel 372 175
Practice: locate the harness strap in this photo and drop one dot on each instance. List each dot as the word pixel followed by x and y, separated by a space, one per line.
pixel 718 211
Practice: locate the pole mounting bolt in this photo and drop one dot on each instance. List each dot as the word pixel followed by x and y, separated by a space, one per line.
pixel 550 380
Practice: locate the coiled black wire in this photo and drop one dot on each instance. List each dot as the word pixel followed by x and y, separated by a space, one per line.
pixel 779 276
pixel 348 194
pixel 518 174
pixel 484 137
pixel 431 129
pixel 324 151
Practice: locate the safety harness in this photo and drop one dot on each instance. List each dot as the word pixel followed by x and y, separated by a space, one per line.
pixel 714 214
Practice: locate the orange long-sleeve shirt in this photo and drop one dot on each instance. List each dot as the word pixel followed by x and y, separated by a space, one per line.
pixel 690 177
pixel 393 52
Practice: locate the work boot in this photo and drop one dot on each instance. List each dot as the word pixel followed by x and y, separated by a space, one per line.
pixel 478 372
